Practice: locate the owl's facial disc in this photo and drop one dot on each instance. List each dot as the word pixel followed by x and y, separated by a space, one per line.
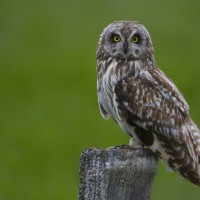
pixel 125 40
pixel 124 45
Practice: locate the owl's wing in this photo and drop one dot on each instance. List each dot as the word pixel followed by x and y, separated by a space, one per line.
pixel 101 99
pixel 167 88
pixel 153 103
pixel 104 114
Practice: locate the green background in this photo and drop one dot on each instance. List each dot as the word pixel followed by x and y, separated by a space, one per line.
pixel 48 102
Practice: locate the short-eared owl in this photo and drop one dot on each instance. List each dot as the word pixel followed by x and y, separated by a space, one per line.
pixel 143 100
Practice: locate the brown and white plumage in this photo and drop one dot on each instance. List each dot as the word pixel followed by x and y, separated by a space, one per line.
pixel 143 100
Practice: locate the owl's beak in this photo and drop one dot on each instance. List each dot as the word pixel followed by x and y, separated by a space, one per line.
pixel 125 47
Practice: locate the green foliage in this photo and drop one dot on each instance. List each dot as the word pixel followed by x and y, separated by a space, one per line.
pixel 49 110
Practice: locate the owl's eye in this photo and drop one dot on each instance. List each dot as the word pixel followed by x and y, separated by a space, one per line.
pixel 116 38
pixel 135 39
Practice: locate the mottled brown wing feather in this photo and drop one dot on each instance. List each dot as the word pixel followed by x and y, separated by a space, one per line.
pixel 154 104
pixel 168 89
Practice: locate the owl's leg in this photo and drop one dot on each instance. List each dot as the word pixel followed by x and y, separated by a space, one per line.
pixel 135 143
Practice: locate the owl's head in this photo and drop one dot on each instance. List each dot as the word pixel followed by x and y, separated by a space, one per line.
pixel 125 40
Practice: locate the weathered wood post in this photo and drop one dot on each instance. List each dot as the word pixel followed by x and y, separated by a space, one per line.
pixel 117 173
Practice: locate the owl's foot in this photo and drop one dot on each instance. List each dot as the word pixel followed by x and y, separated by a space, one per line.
pixel 135 143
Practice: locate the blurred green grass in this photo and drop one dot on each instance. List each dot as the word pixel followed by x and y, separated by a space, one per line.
pixel 48 102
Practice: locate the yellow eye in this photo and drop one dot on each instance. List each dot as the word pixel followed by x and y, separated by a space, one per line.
pixel 116 38
pixel 134 39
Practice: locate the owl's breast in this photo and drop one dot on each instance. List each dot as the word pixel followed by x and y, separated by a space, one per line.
pixel 106 82
pixel 110 74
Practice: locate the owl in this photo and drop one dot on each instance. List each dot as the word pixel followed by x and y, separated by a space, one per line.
pixel 143 101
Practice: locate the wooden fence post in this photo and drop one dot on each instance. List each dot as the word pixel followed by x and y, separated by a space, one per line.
pixel 117 173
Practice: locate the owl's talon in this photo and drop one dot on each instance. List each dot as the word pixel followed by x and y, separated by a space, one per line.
pixel 134 143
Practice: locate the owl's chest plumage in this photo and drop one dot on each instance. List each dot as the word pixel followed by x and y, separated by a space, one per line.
pixel 110 73
pixel 116 105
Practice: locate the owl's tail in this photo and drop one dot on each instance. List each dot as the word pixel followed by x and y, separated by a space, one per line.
pixel 183 158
